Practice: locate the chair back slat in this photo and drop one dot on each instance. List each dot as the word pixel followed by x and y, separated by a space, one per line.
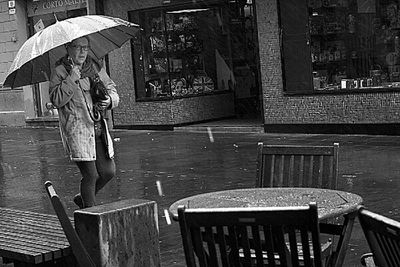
pixel 234 244
pixel 245 244
pixel 383 236
pixel 251 236
pixel 269 244
pixel 255 233
pixel 209 237
pixel 197 239
pixel 293 246
pixel 223 248
pixel 305 246
pixel 297 166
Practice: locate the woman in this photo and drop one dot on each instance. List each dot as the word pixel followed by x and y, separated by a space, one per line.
pixel 87 142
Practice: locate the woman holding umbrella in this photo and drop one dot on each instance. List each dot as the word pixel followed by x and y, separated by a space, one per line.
pixel 85 135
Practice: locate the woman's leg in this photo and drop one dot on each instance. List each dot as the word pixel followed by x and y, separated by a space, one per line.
pixel 105 166
pixel 88 182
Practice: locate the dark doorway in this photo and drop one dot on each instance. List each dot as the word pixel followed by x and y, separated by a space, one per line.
pixel 245 60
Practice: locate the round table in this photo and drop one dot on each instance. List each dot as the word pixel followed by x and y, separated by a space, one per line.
pixel 331 203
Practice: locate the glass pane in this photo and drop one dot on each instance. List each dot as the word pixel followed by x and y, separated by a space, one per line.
pixel 155 65
pixel 355 44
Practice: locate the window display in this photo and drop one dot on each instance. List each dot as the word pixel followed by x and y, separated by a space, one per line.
pixel 355 44
pixel 176 56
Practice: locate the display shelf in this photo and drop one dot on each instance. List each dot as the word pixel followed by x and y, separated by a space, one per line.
pixel 174 57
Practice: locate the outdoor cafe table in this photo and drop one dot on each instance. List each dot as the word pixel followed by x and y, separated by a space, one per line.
pixel 331 204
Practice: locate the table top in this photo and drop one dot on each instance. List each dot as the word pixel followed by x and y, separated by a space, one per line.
pixel 31 237
pixel 331 203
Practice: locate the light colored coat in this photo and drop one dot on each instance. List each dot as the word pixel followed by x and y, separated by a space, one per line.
pixel 74 102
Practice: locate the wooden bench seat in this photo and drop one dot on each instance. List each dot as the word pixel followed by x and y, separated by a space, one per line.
pixel 32 238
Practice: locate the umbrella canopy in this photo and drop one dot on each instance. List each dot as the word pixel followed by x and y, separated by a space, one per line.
pixel 37 56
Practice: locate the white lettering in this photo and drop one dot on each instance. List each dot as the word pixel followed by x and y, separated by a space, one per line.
pixel 53 4
pixel 73 2
pixel 61 3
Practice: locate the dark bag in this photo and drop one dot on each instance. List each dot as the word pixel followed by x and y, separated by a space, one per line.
pixel 98 92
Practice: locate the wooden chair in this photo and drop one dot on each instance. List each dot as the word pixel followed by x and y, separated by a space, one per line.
pixel 300 166
pixel 251 236
pixel 297 166
pixel 82 256
pixel 383 236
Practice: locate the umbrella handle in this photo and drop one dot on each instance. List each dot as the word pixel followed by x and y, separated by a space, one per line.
pixel 96 115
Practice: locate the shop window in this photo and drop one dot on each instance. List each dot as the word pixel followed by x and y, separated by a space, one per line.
pixel 345 45
pixel 181 53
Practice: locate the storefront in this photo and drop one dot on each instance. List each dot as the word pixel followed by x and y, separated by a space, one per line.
pixel 337 69
pixel 193 61
pixel 42 13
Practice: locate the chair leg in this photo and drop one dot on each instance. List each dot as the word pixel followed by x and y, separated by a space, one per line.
pixel 338 256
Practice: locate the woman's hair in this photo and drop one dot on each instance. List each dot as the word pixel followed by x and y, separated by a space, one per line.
pixel 68 44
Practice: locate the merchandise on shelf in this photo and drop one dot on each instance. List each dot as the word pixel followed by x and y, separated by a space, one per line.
pixel 157 43
pixel 178 87
pixel 160 65
pixel 174 56
pixel 153 87
pixel 203 84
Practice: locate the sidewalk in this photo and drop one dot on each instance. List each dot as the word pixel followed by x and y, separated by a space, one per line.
pixel 188 163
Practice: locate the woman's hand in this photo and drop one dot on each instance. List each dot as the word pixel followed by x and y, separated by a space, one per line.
pixel 103 104
pixel 75 73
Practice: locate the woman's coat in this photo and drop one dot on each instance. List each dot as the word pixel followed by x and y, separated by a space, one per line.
pixel 75 109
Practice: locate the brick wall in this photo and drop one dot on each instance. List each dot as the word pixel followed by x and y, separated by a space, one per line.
pixel 130 112
pixel 318 109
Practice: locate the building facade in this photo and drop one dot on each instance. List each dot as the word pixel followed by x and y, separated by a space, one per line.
pixel 13 33
pixel 297 66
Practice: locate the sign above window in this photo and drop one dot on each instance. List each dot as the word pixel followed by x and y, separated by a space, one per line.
pixel 42 7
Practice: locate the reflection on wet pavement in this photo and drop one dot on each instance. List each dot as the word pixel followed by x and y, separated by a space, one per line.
pixel 167 166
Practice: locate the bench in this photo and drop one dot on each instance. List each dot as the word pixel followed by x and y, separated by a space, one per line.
pixel 33 239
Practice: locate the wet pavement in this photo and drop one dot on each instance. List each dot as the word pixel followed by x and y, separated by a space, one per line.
pixel 188 163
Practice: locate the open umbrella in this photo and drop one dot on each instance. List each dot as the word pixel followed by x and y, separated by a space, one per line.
pixel 37 56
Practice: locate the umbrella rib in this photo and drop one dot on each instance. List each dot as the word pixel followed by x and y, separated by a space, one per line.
pixel 109 39
pixel 123 31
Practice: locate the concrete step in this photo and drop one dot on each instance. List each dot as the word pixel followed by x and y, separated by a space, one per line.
pixel 220 129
